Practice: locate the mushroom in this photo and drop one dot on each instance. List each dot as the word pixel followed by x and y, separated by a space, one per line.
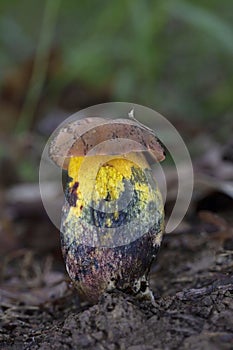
pixel 113 216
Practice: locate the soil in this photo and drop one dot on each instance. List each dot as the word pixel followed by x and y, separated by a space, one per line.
pixel 192 282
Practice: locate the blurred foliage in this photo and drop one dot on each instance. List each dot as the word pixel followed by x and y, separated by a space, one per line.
pixel 174 56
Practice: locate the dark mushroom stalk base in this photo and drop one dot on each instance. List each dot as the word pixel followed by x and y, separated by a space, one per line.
pixel 113 215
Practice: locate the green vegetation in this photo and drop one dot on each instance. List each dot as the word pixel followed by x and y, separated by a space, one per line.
pixel 175 56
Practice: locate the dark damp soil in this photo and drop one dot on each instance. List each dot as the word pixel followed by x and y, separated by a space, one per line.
pixel 192 282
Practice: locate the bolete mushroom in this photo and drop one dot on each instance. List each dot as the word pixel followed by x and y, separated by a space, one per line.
pixel 113 216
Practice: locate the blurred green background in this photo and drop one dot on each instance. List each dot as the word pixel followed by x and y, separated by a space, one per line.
pixel 57 57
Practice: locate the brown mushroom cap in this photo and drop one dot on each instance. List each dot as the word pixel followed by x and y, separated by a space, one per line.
pixel 99 136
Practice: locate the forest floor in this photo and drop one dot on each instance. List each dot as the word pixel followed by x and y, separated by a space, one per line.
pixel 192 281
